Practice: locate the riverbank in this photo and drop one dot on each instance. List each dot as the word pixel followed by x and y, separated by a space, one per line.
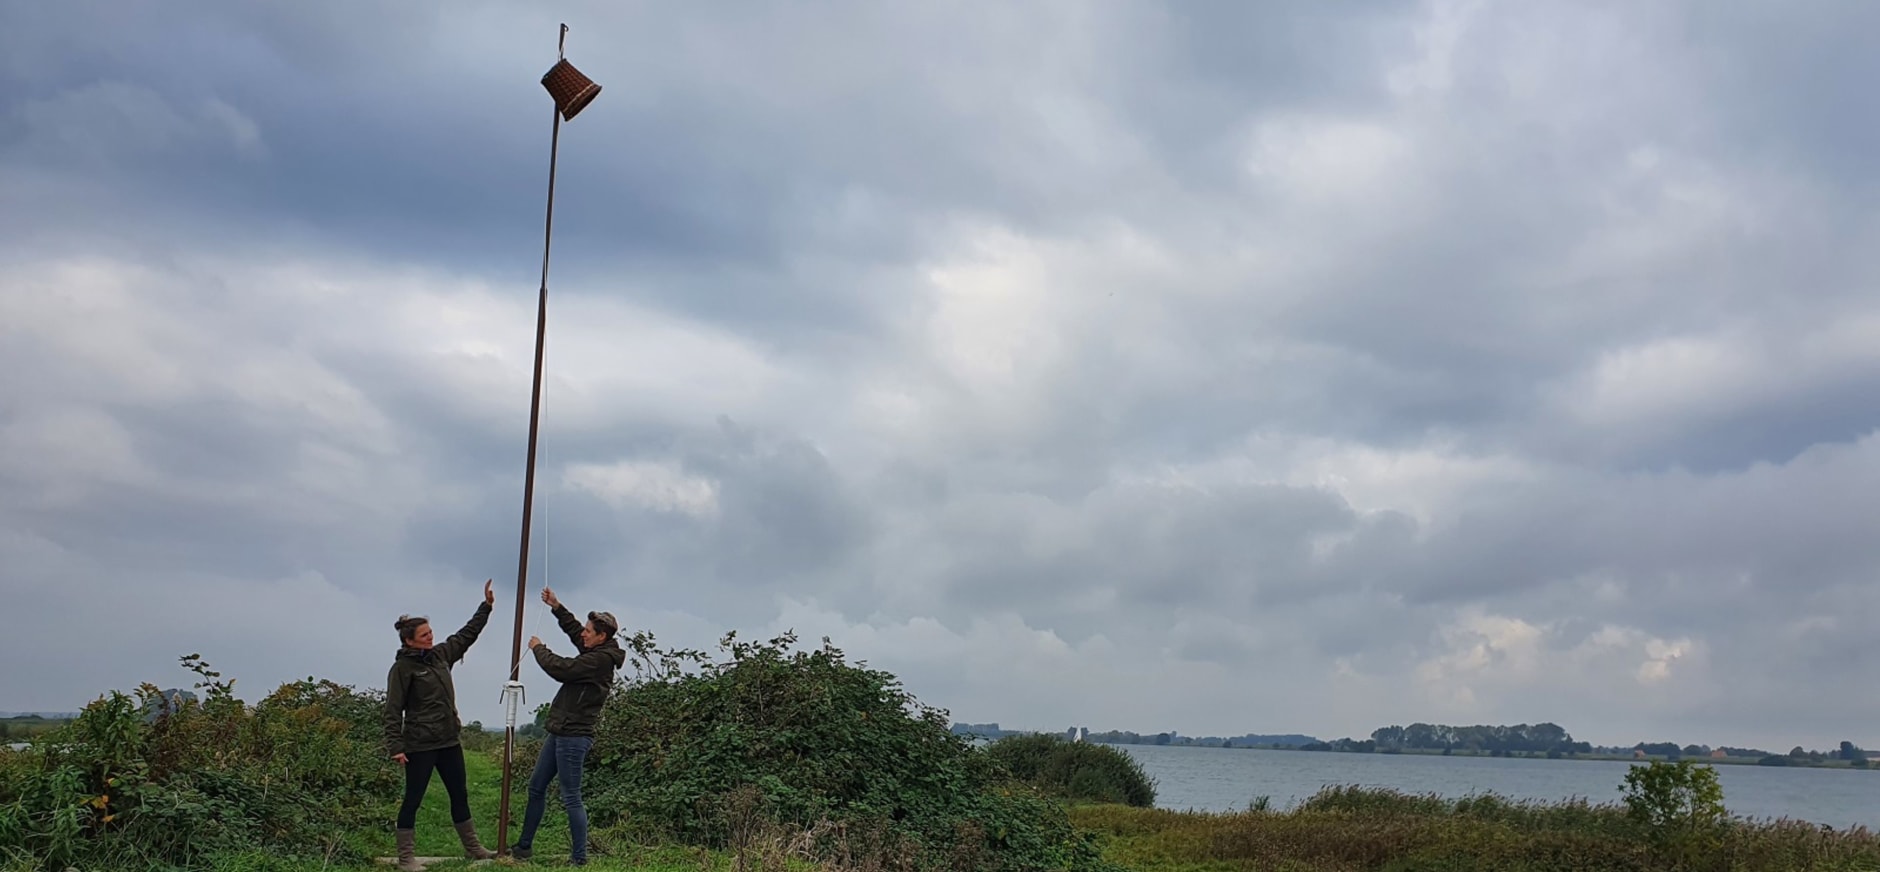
pixel 1339 830
pixel 852 773
pixel 1788 761
pixel 1354 830
pixel 1220 780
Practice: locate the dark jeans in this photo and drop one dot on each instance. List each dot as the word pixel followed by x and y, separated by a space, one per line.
pixel 560 760
pixel 448 762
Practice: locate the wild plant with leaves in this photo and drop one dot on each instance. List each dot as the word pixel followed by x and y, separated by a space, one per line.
pixel 694 742
pixel 152 781
pixel 1080 771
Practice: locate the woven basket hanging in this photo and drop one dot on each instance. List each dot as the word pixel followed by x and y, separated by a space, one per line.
pixel 571 89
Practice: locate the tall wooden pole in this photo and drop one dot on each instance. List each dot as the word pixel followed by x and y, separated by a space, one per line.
pixel 528 478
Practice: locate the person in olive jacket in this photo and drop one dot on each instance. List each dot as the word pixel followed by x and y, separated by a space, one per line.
pixel 422 730
pixel 585 680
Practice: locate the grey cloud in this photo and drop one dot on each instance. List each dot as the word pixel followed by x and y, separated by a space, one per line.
pixel 1307 346
pixel 682 179
pixel 1788 86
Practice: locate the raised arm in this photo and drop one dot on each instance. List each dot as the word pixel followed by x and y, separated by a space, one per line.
pixel 569 623
pixel 459 642
pixel 592 666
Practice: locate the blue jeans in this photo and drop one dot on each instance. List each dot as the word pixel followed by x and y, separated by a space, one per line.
pixel 560 760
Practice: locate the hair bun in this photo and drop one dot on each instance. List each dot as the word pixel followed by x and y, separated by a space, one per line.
pixel 407 626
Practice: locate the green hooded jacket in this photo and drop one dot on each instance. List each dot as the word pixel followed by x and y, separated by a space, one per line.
pixel 585 679
pixel 421 699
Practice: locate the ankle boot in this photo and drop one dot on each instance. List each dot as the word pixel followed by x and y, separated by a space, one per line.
pixel 467 832
pixel 408 852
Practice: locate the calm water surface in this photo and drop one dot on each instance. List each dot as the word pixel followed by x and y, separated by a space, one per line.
pixel 1226 779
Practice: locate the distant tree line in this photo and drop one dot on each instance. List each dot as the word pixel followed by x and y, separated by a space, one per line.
pixel 1552 741
pixel 1520 740
pixel 987 731
pixel 1673 751
pixel 20 727
pixel 1247 740
pixel 1523 739
pixel 1130 737
pixel 1851 754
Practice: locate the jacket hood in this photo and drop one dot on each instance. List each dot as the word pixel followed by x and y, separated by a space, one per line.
pixel 612 649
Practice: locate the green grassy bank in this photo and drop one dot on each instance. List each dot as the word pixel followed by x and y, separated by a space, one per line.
pixel 779 759
pixel 612 848
pixel 1354 830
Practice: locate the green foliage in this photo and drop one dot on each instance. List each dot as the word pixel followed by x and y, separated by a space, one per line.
pixel 1080 771
pixel 476 738
pixel 151 782
pixel 1679 807
pixel 811 742
pixel 1674 796
pixel 1352 828
pixel 1577 815
pixel 774 758
pixel 22 727
pixel 1545 738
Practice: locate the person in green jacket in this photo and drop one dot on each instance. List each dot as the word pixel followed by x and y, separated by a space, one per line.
pixel 585 680
pixel 422 730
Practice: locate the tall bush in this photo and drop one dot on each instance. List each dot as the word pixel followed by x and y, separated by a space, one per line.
pixel 811 740
pixel 1080 771
pixel 1679 806
pixel 151 781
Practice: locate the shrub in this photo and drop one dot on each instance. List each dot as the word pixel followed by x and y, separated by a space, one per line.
pixel 1353 828
pixel 1679 806
pixel 1665 796
pixel 811 741
pixel 159 782
pixel 1347 830
pixel 1075 770
pixel 476 739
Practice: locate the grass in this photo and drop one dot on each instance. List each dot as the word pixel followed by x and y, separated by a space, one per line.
pixel 1357 830
pixel 1341 829
pixel 668 859
pixel 437 837
pixel 22 728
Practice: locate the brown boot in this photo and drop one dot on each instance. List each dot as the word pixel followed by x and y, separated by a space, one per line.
pixel 408 852
pixel 467 831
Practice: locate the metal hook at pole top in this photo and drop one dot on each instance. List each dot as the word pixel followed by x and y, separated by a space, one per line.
pixel 561 45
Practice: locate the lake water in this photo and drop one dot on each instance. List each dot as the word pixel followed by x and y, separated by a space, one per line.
pixel 1227 779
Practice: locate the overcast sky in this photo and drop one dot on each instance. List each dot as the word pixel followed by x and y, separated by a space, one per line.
pixel 1211 367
